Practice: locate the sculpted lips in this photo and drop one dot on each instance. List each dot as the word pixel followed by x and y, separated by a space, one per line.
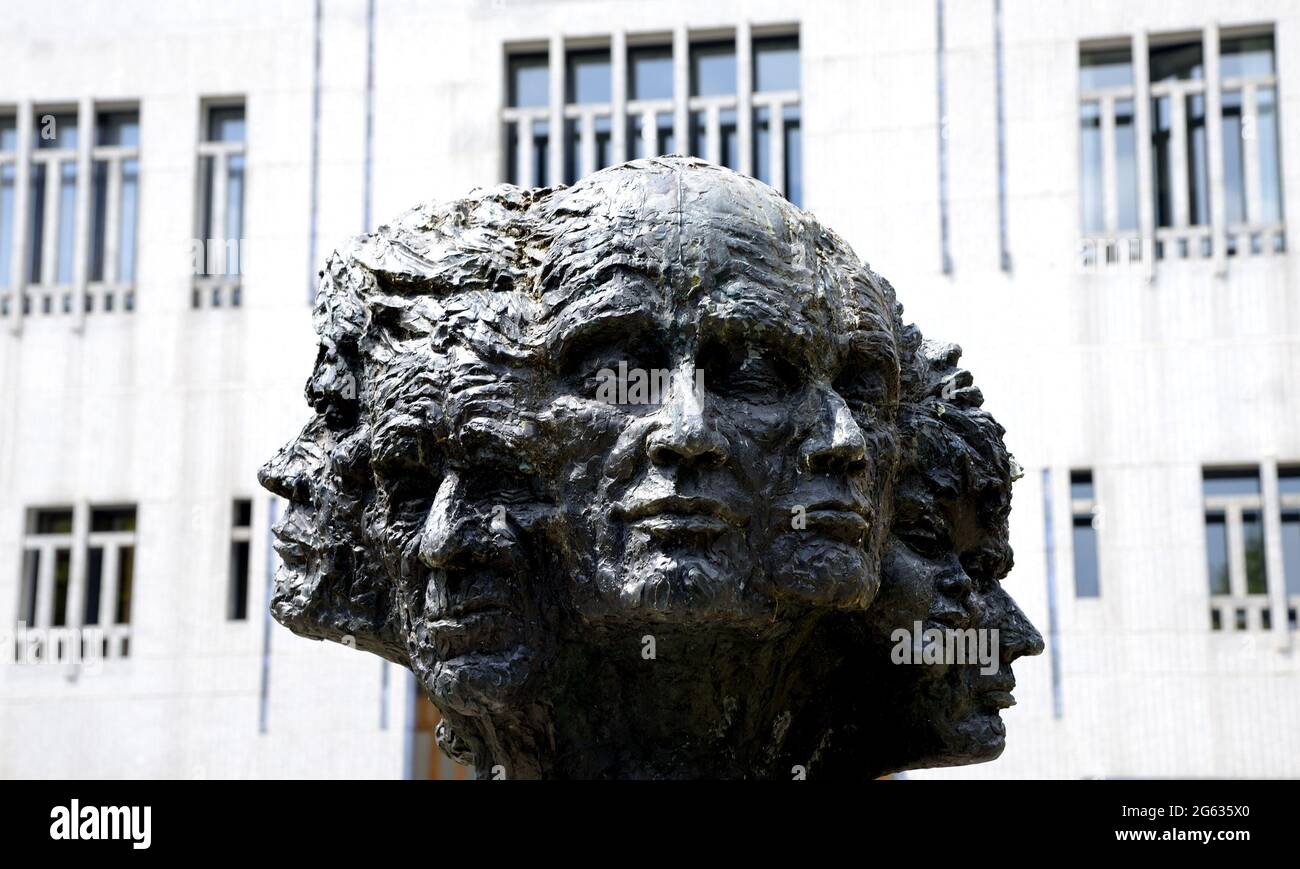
pixel 842 520
pixel 678 515
pixel 995 692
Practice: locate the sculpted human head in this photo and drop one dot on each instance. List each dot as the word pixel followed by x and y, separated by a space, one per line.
pixel 471 501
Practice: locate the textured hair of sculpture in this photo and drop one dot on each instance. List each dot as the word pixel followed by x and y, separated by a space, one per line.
pixel 597 590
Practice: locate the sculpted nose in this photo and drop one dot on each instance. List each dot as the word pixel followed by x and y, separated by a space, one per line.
pixel 1015 632
pixel 443 535
pixel 837 446
pixel 683 436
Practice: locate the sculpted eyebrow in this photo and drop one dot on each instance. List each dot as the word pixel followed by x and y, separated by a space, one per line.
pixel 574 334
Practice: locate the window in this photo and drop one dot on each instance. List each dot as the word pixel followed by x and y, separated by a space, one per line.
pixel 1107 144
pixel 52 198
pixel 588 127
pixel 528 120
pixel 1234 549
pixel 115 201
pixel 217 249
pixel 1083 509
pixel 1252 174
pixel 1191 213
pixel 76 581
pixel 240 535
pixel 741 107
pixel 650 101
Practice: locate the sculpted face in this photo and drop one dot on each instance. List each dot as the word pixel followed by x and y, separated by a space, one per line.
pixel 942 570
pixel 781 382
pixel 474 501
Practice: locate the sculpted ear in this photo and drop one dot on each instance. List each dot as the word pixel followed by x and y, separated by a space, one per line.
pixel 326 587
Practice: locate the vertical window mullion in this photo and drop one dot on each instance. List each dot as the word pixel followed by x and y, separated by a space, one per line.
pixel 1250 154
pixel 618 97
pixel 1236 552
pixel 557 152
pixel 712 133
pixel 108 594
pixel 587 143
pixel 19 261
pixel 681 89
pixel 81 224
pixel 1109 182
pixel 1214 148
pixel 522 130
pixel 50 219
pixel 216 243
pixel 744 98
pixel 1178 157
pixel 1142 131
pixel 1274 563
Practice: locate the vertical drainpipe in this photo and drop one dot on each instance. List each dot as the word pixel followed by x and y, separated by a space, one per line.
pixel 366 198
pixel 1004 260
pixel 264 691
pixel 1049 546
pixel 315 153
pixel 944 254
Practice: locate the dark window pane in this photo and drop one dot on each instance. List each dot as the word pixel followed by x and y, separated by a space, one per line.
pixel 1234 160
pixel 793 155
pixel 530 83
pixel 1091 200
pixel 1198 180
pixel 243 513
pixel 1246 56
pixel 8 178
pixel 57 521
pixel 226 124
pixel 1126 196
pixel 1087 579
pixel 238 609
pixel 650 73
pixel 1106 68
pixel 1216 552
pixel 604 142
pixel 1176 61
pixel 1081 485
pixel 1291 550
pixel 542 154
pixel 1216 622
pixel 589 79
pixel 8 133
pixel 713 69
pixel 127 221
pixel 776 64
pixel 1288 481
pixel 62 573
pixel 67 221
pixel 118 128
pixel 1231 482
pixel 112 519
pixel 762 145
pixel 94 583
pixel 729 147
pixel 27 596
pixel 1252 532
pixel 98 219
pixel 125 578
pixel 36 229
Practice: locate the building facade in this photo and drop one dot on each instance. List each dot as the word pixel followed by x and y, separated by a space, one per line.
pixel 1092 197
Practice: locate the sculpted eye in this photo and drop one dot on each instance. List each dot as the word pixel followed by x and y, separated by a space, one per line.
pixel 584 363
pixel 747 372
pixel 927 539
pixel 866 385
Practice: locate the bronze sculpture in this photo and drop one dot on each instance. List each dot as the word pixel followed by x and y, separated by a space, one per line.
pixel 615 469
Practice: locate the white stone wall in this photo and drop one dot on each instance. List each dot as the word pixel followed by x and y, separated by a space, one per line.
pixel 173 409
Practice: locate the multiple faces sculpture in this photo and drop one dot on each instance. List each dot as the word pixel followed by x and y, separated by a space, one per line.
pixel 707 581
